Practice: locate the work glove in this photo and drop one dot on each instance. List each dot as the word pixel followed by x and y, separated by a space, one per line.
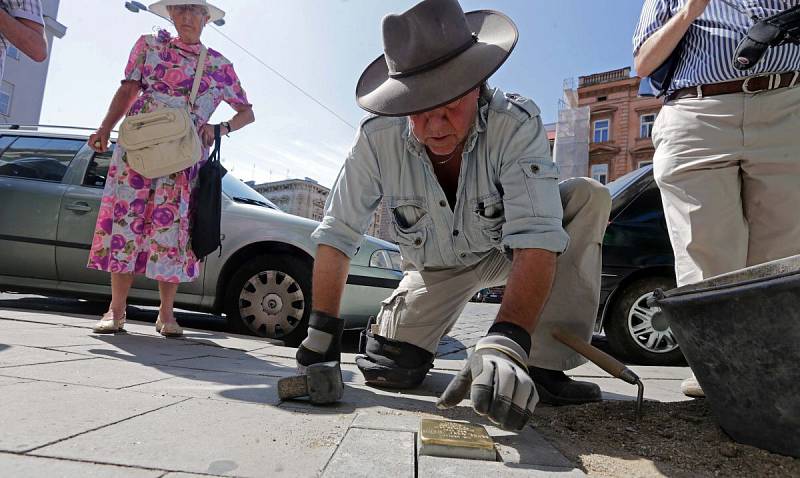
pixel 497 378
pixel 323 343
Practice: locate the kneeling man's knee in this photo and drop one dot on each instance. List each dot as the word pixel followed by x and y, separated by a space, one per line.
pixel 585 195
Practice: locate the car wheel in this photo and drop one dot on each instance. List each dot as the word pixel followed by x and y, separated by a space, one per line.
pixel 639 332
pixel 270 296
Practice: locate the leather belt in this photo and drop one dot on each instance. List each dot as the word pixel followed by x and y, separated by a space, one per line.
pixel 750 85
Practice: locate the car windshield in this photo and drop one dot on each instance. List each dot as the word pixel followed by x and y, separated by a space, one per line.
pixel 618 185
pixel 235 189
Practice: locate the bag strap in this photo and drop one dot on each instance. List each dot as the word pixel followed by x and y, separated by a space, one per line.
pixel 198 75
pixel 216 155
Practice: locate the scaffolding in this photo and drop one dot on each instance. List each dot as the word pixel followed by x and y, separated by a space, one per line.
pixel 571 152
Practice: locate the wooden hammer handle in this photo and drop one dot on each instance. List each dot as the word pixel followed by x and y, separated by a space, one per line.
pixel 600 358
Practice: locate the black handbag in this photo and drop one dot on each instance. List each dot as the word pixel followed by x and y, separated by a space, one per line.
pixel 207 213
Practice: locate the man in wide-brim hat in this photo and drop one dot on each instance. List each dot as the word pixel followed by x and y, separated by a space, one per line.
pixel 474 201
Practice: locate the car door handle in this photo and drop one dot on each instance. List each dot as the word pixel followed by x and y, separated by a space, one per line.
pixel 79 207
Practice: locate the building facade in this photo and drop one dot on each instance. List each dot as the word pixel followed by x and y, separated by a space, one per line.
pixel 301 197
pixel 620 123
pixel 22 87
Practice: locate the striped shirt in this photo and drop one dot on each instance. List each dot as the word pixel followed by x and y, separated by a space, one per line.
pixel 711 41
pixel 27 9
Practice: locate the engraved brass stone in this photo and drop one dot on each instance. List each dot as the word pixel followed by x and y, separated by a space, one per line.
pixel 454 434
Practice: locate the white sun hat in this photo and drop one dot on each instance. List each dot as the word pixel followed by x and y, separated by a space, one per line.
pixel 160 8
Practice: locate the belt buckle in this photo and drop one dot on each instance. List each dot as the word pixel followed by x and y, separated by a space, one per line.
pixel 774 82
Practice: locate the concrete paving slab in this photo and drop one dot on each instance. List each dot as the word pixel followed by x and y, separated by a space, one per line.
pixel 371 453
pixel 145 350
pixel 208 436
pixel 15 355
pixel 8 324
pixel 38 467
pixel 227 340
pixel 36 413
pixel 644 372
pixel 103 373
pixel 55 337
pixel 245 364
pixel 50 318
pixel 216 386
pixel 429 467
pixel 11 381
pixel 390 420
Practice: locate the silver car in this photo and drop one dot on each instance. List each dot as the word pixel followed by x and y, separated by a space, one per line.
pixel 51 185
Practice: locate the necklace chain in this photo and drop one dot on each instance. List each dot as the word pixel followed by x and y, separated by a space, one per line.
pixel 442 163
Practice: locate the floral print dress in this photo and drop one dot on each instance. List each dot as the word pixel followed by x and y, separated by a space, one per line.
pixel 143 226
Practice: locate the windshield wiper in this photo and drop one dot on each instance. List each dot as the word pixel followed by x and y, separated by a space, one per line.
pixel 254 202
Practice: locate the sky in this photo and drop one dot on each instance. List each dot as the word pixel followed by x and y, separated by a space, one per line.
pixel 322 46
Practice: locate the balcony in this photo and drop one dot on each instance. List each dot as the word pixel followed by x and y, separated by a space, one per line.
pixel 604 77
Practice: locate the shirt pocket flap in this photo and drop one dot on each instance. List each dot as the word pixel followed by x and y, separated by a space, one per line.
pixel 539 170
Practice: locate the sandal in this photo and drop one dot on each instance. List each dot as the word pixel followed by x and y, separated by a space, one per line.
pixel 109 325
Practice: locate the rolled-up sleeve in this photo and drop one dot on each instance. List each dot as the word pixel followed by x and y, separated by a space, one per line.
pixel 531 197
pixel 655 13
pixel 27 9
pixel 352 201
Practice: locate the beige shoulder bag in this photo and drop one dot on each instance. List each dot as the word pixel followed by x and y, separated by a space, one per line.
pixel 164 141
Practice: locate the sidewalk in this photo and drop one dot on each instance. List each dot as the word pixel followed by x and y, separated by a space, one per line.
pixel 138 405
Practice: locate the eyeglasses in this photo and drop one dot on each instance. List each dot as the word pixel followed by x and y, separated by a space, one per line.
pixel 196 10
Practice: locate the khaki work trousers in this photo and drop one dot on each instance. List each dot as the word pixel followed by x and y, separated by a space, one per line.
pixel 728 167
pixel 427 304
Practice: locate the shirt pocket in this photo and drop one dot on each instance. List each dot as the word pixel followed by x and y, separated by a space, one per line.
pixel 411 223
pixel 490 215
pixel 541 179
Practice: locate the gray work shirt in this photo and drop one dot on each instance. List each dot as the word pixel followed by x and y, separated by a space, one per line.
pixel 507 195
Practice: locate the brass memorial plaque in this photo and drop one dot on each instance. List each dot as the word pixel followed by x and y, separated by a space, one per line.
pixel 455 439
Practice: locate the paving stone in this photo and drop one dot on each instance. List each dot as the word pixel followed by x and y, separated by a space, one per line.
pixel 97 372
pixel 527 447
pixel 429 467
pixel 55 337
pixel 34 414
pixel 15 355
pixel 389 420
pixel 226 340
pixel 209 436
pixel 4 381
pixel 216 386
pixel 39 467
pixel 145 350
pixel 9 324
pixel 371 453
pixel 675 373
pixel 49 318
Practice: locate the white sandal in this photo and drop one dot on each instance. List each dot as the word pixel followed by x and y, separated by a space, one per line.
pixel 109 325
pixel 168 329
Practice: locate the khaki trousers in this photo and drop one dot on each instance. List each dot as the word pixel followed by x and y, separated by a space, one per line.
pixel 427 304
pixel 728 167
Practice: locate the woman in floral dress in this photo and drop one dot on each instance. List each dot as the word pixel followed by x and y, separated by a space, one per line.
pixel 144 224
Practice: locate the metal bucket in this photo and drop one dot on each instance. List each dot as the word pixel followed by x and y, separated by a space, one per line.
pixel 740 333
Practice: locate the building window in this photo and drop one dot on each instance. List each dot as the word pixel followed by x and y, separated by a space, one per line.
pixel 644 163
pixel 601 98
pixel 646 128
pixel 12 52
pixel 6 92
pixel 601 129
pixel 600 173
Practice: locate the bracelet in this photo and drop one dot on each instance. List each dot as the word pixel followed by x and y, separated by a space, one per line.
pixel 227 126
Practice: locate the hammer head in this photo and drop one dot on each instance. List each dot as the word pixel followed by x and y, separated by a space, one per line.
pixel 322 384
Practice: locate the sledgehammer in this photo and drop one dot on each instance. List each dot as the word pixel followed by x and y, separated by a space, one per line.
pixel 604 361
pixel 322 384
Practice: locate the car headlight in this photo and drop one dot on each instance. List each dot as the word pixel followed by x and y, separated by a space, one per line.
pixel 384 259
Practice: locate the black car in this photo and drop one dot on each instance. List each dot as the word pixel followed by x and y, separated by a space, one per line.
pixel 637 259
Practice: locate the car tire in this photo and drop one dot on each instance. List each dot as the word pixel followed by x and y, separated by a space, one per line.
pixel 270 296
pixel 637 332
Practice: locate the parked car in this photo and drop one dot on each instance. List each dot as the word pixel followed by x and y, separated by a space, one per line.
pixel 494 295
pixel 637 259
pixel 51 184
